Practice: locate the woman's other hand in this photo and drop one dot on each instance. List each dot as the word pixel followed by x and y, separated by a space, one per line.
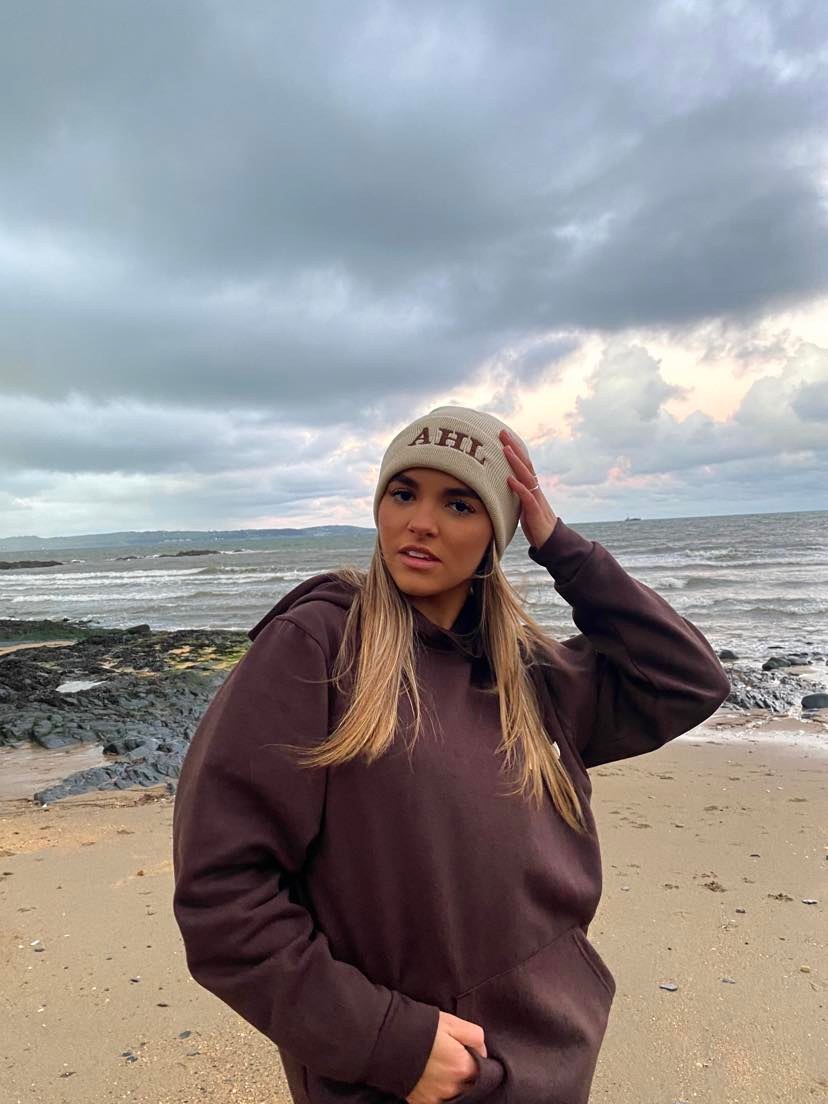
pixel 450 1069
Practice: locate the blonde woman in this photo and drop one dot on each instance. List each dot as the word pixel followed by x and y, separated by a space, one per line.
pixel 385 858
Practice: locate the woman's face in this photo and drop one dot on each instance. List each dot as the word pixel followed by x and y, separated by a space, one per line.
pixel 438 512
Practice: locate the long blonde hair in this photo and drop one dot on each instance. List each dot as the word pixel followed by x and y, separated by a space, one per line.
pixel 379 638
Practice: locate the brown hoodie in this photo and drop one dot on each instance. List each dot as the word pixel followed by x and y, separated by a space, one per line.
pixel 337 910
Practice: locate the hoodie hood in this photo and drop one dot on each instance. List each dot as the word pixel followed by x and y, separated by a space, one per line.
pixel 463 637
pixel 326 587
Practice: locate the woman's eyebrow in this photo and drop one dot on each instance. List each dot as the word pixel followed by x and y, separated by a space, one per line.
pixel 466 492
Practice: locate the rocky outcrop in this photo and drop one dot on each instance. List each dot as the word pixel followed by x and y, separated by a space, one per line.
pixel 8 565
pixel 153 689
pixel 773 686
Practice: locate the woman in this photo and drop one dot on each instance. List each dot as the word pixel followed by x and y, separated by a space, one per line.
pixel 351 876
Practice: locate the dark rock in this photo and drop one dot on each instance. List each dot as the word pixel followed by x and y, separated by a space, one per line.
pixel 33 631
pixel 9 565
pixel 192 552
pixel 775 662
pixel 727 654
pixel 815 701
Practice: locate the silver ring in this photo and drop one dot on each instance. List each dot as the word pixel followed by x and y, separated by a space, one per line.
pixel 535 487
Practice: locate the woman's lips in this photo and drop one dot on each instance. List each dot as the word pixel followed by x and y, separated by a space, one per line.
pixel 417 562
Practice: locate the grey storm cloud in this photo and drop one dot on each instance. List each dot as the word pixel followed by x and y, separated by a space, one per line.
pixel 305 208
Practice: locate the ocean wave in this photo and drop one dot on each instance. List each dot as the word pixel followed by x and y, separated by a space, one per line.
pixel 660 565
pixel 95 578
pixel 771 605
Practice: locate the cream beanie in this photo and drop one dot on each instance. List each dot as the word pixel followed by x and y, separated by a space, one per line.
pixel 465 443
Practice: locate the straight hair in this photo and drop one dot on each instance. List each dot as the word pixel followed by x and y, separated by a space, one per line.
pixel 379 641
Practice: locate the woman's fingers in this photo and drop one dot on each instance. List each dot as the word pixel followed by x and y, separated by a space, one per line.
pixel 517 449
pixel 521 464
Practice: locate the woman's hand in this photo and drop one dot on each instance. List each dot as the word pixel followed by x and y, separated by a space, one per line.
pixel 537 518
pixel 450 1069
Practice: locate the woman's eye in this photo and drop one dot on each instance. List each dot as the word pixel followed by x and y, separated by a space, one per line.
pixel 454 502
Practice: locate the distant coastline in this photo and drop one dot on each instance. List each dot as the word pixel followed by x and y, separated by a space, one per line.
pixel 132 538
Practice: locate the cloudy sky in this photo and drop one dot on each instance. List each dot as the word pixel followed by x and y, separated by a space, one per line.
pixel 241 245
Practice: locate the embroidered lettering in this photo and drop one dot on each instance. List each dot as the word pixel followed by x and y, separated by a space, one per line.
pixel 451 438
pixel 475 446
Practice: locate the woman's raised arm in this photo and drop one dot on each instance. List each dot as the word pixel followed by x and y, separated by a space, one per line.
pixel 638 674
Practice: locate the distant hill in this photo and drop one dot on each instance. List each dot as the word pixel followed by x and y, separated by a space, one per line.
pixel 202 537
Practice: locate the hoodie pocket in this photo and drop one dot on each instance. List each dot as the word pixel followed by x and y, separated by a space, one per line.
pixel 544 1022
pixel 326 1090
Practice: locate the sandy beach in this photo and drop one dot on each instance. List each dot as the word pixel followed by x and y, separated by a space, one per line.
pixel 711 849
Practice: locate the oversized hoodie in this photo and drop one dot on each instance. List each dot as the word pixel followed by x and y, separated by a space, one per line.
pixel 338 910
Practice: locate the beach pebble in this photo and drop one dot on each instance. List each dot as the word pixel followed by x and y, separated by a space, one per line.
pixel 729 980
pixel 670 986
pixel 805 969
pixel 741 910
pixel 184 1034
pixel 809 901
pixel 135 979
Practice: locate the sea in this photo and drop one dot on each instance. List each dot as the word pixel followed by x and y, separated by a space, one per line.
pixel 748 581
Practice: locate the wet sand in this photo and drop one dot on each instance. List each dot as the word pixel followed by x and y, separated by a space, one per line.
pixel 6 648
pixel 97 1004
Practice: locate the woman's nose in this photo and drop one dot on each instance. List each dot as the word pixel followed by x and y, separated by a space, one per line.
pixel 422 517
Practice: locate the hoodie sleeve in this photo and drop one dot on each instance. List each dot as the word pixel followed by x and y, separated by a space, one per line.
pixel 244 818
pixel 639 674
